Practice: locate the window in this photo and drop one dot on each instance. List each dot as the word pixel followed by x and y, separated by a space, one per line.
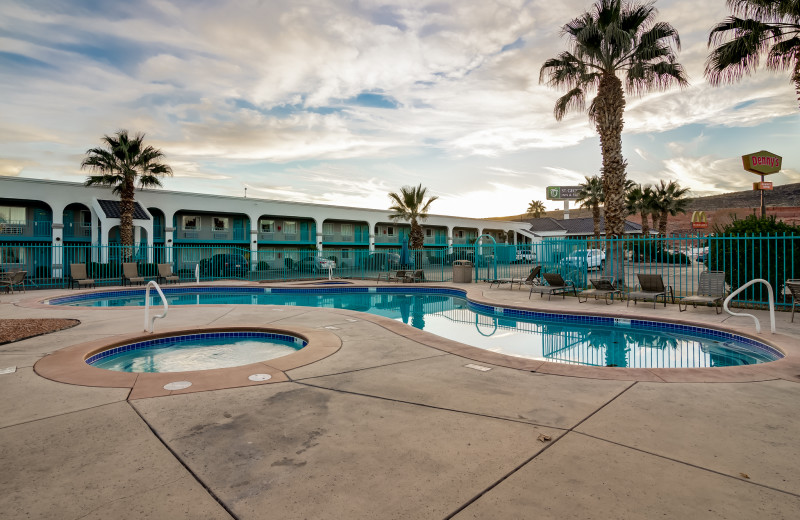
pixel 267 226
pixel 290 227
pixel 86 218
pixel 12 255
pixel 191 222
pixel 327 228
pixel 347 230
pixel 428 232
pixel 12 214
pixel 459 233
pixel 390 230
pixel 345 253
pixel 220 223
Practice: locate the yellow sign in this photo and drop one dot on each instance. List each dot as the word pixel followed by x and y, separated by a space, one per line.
pixel 762 163
pixel 699 220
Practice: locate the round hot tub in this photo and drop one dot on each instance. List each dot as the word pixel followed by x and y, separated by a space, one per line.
pixel 204 351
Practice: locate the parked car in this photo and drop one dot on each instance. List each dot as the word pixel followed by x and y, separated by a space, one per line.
pixel 525 257
pixel 314 264
pixel 586 258
pixel 381 261
pixel 225 265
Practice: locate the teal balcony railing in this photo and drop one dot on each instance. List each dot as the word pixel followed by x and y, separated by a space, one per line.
pixel 16 230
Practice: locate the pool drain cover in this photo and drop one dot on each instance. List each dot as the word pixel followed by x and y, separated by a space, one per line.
pixel 260 377
pixel 177 385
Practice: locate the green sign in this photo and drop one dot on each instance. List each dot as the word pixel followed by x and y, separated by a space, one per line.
pixel 762 163
pixel 563 192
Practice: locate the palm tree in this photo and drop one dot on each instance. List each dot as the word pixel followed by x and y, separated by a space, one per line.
pixel 120 164
pixel 536 209
pixel 669 199
pixel 639 201
pixel 410 205
pixel 591 196
pixel 615 38
pixel 757 27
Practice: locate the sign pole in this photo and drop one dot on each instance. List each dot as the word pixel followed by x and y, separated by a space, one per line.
pixel 566 210
pixel 763 205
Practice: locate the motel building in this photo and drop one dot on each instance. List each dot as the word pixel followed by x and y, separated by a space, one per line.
pixel 43 213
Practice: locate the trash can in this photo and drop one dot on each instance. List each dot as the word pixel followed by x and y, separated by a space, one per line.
pixel 462 271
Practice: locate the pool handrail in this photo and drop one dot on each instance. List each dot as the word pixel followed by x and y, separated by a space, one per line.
pixel 771 304
pixel 147 317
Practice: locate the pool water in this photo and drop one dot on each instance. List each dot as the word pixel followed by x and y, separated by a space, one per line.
pixel 582 340
pixel 182 354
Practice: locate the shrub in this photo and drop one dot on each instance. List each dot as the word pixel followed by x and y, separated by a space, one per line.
pixel 289 263
pixel 262 266
pixel 755 248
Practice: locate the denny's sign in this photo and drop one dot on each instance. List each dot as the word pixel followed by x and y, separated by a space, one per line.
pixel 762 163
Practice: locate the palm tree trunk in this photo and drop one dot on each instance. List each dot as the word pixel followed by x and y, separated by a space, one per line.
pixel 645 227
pixel 596 218
pixel 609 109
pixel 416 238
pixel 654 215
pixel 662 224
pixel 126 220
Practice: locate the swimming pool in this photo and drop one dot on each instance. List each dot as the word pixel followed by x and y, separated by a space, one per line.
pixel 562 338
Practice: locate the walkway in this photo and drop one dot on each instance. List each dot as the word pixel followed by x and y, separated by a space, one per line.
pixel 389 427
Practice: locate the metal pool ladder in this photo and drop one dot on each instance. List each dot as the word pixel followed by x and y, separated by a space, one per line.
pixel 771 304
pixel 147 318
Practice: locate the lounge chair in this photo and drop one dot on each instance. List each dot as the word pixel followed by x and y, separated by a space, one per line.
pixel 651 286
pixel 794 290
pixel 399 276
pixel 555 285
pixel 78 276
pixel 414 276
pixel 165 274
pixel 130 274
pixel 532 279
pixel 710 290
pixel 601 287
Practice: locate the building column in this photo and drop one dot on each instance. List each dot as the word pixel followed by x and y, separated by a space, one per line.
pixel 449 239
pixel 57 249
pixel 253 245
pixel 169 240
pixel 372 242
pixel 104 246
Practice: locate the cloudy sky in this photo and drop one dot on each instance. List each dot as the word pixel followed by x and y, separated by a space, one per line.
pixel 340 102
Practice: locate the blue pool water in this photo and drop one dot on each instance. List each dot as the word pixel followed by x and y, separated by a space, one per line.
pixel 584 340
pixel 196 352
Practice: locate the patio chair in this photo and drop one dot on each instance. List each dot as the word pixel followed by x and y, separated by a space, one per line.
pixel 399 276
pixel 794 289
pixel 78 276
pixel 603 286
pixel 165 274
pixel 532 279
pixel 555 285
pixel 414 276
pixel 651 286
pixel 130 274
pixel 710 290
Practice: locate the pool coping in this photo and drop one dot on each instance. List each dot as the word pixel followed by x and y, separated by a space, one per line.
pixel 69 366
pixel 787 368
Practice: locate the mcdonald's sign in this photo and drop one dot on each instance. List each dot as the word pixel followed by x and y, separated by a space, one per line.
pixel 699 220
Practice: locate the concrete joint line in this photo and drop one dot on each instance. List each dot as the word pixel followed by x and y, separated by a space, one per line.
pixel 182 463
pixel 367 368
pixel 678 461
pixel 62 414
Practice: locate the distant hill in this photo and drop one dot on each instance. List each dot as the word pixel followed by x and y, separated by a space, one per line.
pixel 787 195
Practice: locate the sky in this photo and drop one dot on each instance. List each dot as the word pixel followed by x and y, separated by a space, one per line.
pixel 342 102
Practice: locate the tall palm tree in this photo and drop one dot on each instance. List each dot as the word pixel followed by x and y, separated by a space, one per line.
pixel 669 199
pixel 536 209
pixel 757 27
pixel 615 38
pixel 410 205
pixel 122 163
pixel 639 201
pixel 591 196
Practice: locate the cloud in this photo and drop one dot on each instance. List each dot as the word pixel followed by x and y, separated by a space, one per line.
pixel 12 167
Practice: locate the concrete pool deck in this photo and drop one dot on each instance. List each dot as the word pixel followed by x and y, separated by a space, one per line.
pixel 390 426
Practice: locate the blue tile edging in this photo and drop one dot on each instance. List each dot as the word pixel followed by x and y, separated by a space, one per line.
pixel 168 341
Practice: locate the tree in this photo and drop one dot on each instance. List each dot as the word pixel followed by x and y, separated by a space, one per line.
pixel 757 27
pixel 669 199
pixel 615 38
pixel 122 163
pixel 591 196
pixel 640 201
pixel 536 209
pixel 410 205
